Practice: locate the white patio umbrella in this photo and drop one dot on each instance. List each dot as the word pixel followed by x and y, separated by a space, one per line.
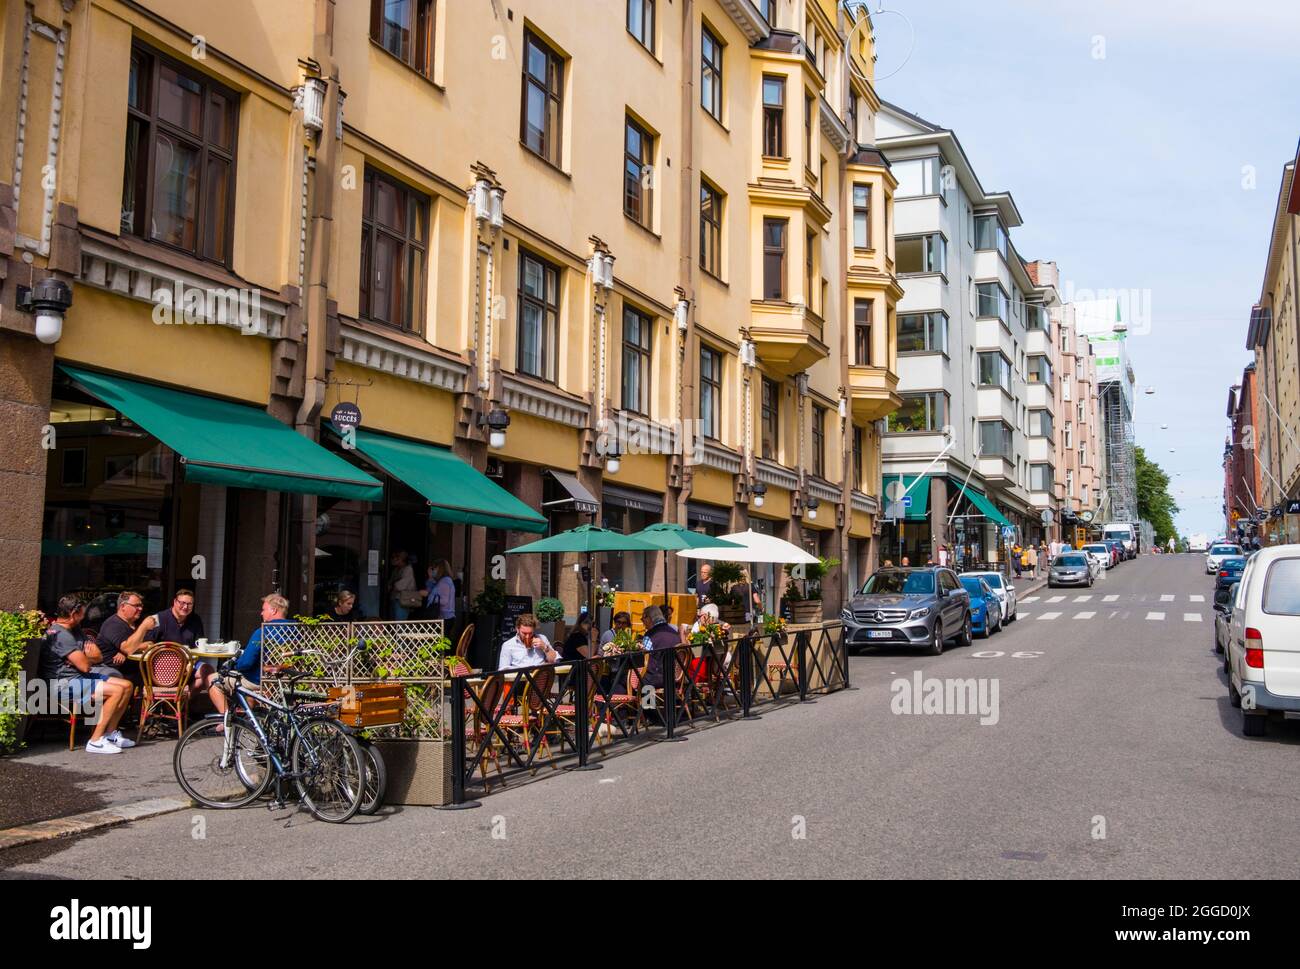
pixel 754 548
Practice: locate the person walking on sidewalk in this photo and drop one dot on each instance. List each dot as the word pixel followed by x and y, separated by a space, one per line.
pixel 1031 557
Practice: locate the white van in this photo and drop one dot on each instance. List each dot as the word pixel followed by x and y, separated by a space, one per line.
pixel 1264 639
pixel 1122 532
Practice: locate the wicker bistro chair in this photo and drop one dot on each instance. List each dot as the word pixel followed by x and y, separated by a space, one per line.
pixel 462 645
pixel 167 668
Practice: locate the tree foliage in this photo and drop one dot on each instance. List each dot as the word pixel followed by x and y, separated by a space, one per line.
pixel 1155 503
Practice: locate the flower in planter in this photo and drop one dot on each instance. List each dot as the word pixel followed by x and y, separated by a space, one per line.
pixel 624 641
pixel 773 624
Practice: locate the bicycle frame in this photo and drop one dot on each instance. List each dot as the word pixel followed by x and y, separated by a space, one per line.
pixel 241 695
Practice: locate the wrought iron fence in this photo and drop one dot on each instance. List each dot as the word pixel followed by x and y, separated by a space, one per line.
pixel 511 722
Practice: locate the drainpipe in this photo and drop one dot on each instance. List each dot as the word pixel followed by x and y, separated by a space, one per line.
pixel 319 235
pixel 686 266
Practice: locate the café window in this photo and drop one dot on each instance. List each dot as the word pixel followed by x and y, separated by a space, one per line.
pixel 771 422
pixel 919 412
pixel 637 328
pixel 543 96
pixel 711 392
pixel 394 239
pixel 405 28
pixel 539 316
pixel 178 185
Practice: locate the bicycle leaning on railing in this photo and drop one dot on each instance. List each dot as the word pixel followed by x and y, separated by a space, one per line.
pixel 231 759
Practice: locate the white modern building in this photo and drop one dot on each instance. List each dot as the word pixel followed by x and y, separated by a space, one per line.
pixel 974 442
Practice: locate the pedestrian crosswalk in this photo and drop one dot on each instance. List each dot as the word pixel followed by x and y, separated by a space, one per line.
pixel 1133 607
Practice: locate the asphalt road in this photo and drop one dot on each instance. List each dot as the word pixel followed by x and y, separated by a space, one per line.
pixel 1114 755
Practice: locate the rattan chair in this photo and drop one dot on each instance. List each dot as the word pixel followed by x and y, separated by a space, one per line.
pixel 167 668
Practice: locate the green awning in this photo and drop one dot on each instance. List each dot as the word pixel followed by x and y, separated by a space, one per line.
pixel 981 501
pixel 456 492
pixel 918 489
pixel 221 443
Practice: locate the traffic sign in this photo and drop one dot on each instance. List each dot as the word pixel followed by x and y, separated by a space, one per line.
pixel 907 501
pixel 1261 515
pixel 1293 506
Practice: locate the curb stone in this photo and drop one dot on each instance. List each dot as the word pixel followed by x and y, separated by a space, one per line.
pixel 78 824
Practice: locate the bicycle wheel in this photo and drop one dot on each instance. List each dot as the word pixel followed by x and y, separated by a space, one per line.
pixel 376 777
pixel 329 769
pixel 221 770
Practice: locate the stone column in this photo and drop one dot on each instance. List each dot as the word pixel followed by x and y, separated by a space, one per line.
pixel 26 372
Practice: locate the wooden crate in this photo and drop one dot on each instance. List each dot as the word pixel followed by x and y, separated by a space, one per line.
pixel 370 704
pixel 684 605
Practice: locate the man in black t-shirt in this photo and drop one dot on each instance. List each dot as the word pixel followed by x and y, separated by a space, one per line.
pixel 119 636
pixel 179 624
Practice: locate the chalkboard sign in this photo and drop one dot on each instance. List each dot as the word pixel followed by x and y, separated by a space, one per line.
pixel 515 606
pixel 787 610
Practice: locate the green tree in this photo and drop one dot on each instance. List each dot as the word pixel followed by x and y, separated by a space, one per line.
pixel 1155 503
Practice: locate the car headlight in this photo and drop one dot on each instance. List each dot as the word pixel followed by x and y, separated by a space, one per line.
pixel 919 613
pixel 847 615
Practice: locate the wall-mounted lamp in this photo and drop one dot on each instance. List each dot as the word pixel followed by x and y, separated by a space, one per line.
pixel 748 354
pixel 759 493
pixel 602 270
pixel 496 420
pixel 48 300
pixel 682 314
pixel 312 101
pixel 811 504
pixel 612 460
pixel 481 195
pixel 497 207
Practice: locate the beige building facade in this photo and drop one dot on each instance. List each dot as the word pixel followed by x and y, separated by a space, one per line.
pixel 655 237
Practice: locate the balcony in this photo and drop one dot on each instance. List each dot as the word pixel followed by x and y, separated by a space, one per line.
pixel 873 392
pixel 787 336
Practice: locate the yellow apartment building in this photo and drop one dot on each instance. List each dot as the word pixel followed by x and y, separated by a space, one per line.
pixel 287 289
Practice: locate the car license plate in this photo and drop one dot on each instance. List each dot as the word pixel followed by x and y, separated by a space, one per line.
pixel 880 634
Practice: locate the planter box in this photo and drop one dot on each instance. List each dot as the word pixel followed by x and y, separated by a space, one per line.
pixel 31 669
pixel 806 610
pixel 732 614
pixel 419 771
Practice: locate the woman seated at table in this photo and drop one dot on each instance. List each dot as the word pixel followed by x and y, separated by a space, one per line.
pixel 345 608
pixel 577 645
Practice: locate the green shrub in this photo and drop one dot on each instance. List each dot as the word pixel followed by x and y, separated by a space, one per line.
pixel 549 610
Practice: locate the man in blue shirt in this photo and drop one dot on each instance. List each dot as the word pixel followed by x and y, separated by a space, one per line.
pixel 275 610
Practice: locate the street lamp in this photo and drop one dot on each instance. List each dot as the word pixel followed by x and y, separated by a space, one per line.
pixel 759 492
pixel 496 421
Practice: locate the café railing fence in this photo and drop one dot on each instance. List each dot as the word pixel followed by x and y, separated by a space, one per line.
pixel 513 722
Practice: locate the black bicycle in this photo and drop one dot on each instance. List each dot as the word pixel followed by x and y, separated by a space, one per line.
pixel 230 760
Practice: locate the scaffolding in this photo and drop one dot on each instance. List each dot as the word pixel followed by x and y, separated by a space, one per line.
pixel 1121 464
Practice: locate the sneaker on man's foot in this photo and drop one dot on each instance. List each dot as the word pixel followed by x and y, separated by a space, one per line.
pixel 118 740
pixel 104 746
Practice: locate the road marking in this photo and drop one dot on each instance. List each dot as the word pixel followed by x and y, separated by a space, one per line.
pixel 1083 598
pixel 1110 598
pixel 1191 617
pixel 1050 615
pixel 1113 614
pixel 1029 599
pixel 1084 615
pixel 1166 598
pixel 1057 599
pixel 1197 598
pixel 1156 616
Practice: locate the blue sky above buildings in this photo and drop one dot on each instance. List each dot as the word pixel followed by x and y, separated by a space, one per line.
pixel 1143 141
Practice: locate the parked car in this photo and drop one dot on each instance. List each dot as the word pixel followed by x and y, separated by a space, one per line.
pixel 1230 570
pixel 985 610
pixel 1101 552
pixel 923 607
pixel 1071 568
pixel 1216 554
pixel 1223 599
pixel 1263 639
pixel 1117 547
pixel 1004 590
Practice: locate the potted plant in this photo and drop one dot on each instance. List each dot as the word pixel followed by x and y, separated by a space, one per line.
pixel 806 603
pixel 726 575
pixel 605 605
pixel 21 635
pixel 774 626
pixel 549 613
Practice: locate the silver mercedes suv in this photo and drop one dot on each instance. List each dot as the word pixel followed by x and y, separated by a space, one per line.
pixel 909 607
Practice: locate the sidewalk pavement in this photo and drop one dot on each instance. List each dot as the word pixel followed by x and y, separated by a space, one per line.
pixel 52 791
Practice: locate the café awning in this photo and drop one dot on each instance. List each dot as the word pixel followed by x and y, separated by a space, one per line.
pixel 916 487
pixel 455 490
pixel 224 443
pixel 981 501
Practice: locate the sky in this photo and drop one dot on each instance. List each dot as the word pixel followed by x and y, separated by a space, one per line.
pixel 1143 142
